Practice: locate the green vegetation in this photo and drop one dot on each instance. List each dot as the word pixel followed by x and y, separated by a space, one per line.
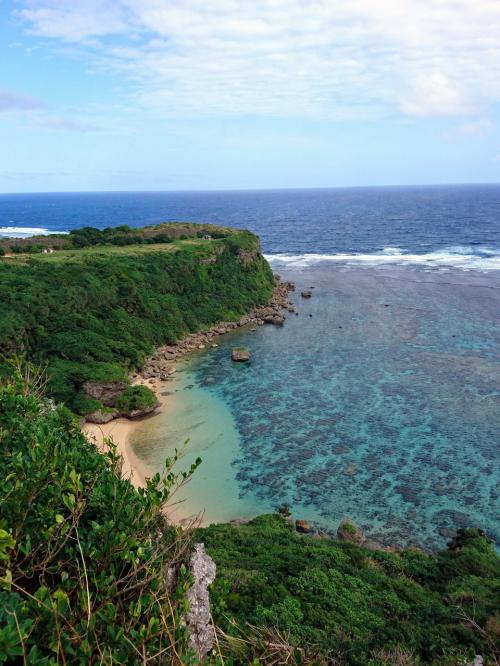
pixel 134 398
pixel 95 314
pixel 160 233
pixel 353 605
pixel 112 236
pixel 83 555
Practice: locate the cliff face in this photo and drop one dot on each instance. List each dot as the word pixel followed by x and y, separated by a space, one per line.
pixel 95 314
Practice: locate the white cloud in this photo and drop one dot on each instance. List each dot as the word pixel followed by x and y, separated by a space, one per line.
pixel 306 58
pixel 434 94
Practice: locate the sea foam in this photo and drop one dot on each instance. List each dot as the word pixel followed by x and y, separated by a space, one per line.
pixel 26 232
pixel 462 257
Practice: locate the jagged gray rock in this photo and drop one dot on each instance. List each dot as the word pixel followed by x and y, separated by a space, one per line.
pixel 198 619
pixel 106 392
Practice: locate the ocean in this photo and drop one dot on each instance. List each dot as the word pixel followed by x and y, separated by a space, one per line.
pixel 380 400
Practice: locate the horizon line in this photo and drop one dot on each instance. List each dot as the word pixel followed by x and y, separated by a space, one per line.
pixel 255 189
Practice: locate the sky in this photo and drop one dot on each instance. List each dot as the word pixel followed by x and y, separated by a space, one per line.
pixel 237 94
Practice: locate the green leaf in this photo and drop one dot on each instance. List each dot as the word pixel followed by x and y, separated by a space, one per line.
pixel 6 543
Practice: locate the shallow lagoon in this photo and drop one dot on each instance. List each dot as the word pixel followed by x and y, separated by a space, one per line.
pixel 383 406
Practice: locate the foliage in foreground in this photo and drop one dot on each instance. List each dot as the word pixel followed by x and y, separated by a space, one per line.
pixel 83 555
pixel 354 605
pixel 95 316
pixel 83 558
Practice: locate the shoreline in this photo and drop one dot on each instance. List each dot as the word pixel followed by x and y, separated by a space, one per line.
pixel 161 364
pixel 159 369
pixel 120 431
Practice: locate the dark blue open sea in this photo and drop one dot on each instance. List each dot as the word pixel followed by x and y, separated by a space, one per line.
pixel 380 401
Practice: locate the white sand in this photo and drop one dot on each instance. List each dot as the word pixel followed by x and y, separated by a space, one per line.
pixel 120 430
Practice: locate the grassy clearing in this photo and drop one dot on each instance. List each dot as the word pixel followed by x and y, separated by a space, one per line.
pixel 112 250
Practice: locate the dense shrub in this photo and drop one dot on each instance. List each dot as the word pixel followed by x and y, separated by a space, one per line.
pixel 83 555
pixel 97 316
pixel 160 233
pixel 353 604
pixel 136 397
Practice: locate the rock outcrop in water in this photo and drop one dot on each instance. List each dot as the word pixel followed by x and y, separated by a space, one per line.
pixel 303 526
pixel 347 531
pixel 240 354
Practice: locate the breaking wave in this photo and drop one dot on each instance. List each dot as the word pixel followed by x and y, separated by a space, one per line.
pixel 26 232
pixel 466 258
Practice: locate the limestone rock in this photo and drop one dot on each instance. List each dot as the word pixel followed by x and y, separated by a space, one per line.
pixel 198 619
pixel 478 661
pixel 137 413
pixel 105 392
pixel 306 294
pixel 101 417
pixel 303 526
pixel 240 354
pixel 347 531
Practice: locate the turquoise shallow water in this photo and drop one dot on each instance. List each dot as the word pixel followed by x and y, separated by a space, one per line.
pixel 383 406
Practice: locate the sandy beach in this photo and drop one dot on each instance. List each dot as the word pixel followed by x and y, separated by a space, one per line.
pixel 120 431
pixel 134 469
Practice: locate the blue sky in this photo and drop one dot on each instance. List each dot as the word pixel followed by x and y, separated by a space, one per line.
pixel 220 94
